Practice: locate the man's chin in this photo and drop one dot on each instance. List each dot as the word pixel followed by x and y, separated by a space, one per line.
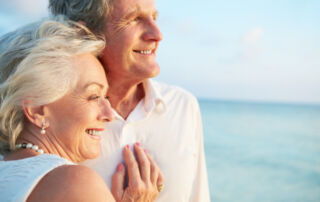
pixel 150 73
pixel 155 72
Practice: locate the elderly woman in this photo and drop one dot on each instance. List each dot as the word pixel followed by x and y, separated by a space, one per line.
pixel 53 107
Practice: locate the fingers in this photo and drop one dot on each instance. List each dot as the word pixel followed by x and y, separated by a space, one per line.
pixel 154 170
pixel 144 172
pixel 144 163
pixel 156 175
pixel 132 165
pixel 117 182
pixel 160 181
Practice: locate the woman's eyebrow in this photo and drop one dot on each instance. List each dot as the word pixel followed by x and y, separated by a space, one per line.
pixel 91 84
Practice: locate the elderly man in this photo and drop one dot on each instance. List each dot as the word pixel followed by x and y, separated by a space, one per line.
pixel 163 119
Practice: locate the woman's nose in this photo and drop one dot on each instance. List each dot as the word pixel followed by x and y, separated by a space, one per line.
pixel 106 112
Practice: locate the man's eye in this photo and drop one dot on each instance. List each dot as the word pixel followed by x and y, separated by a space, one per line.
pixel 138 18
pixel 155 17
pixel 106 97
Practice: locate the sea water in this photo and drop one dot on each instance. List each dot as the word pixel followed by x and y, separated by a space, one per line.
pixel 262 152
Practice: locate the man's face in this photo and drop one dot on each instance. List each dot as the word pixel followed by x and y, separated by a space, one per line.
pixel 132 38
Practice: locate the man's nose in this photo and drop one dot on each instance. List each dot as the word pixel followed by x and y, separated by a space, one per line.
pixel 153 32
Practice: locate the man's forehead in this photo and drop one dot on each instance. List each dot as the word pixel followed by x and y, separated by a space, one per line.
pixel 123 8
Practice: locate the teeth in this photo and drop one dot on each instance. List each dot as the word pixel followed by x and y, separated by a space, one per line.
pixel 94 132
pixel 145 52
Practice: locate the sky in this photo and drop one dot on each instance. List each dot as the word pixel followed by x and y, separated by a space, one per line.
pixel 255 50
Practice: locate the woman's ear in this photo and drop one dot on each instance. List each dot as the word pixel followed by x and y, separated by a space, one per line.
pixel 82 23
pixel 36 115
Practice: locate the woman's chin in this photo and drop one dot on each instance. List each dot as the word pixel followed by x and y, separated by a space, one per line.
pixel 92 154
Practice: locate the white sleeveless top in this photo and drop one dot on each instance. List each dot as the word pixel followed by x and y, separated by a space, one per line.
pixel 19 177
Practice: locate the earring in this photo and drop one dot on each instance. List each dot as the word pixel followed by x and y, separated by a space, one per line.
pixel 43 131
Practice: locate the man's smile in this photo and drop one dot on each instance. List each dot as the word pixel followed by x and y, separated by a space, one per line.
pixel 145 52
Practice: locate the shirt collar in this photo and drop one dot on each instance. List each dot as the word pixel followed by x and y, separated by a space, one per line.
pixel 153 98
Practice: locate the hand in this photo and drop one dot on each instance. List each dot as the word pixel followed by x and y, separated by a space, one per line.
pixel 144 177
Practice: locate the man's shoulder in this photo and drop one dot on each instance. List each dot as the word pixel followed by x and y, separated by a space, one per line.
pixel 174 92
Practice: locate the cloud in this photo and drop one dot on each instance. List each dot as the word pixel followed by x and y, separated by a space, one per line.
pixel 253 36
pixel 251 41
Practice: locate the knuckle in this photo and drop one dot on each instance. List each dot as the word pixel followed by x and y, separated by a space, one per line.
pixel 151 188
pixel 139 189
pixel 145 163
pixel 153 162
pixel 132 164
pixel 155 169
pixel 135 185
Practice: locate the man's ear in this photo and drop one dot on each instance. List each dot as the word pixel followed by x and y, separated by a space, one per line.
pixel 36 115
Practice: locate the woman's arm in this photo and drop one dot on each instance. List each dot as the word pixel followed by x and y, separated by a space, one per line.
pixel 71 183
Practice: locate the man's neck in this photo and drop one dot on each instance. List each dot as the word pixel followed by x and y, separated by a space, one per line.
pixel 125 97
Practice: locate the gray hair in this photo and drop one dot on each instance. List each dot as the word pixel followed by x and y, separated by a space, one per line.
pixel 93 12
pixel 36 66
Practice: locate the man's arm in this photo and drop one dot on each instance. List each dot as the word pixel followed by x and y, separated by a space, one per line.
pixel 200 185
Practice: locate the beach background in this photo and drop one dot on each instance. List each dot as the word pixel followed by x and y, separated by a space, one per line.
pixel 254 65
pixel 262 151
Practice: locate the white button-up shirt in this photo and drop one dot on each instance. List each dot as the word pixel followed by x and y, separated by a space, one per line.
pixel 167 123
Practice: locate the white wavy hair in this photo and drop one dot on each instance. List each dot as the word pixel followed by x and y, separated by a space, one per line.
pixel 36 66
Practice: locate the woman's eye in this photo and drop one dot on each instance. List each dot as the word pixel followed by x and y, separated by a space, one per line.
pixel 94 97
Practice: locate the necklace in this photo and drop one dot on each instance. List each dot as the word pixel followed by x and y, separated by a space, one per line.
pixel 30 146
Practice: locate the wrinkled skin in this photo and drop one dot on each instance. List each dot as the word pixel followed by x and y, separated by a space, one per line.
pixel 144 176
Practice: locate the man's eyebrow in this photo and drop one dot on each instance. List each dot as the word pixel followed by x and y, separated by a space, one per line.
pixel 136 11
pixel 132 12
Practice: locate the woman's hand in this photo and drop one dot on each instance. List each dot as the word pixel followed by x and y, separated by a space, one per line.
pixel 145 178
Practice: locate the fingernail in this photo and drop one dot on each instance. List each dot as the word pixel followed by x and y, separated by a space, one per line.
pixel 120 167
pixel 127 146
pixel 145 151
pixel 138 144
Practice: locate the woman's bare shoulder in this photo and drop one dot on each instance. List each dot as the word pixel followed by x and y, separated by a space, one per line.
pixel 71 183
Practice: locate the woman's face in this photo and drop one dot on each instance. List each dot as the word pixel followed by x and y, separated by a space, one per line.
pixel 76 121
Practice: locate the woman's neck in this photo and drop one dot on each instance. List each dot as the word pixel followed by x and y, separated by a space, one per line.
pixel 48 143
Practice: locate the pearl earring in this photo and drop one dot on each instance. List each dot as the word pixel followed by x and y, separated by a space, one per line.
pixel 43 131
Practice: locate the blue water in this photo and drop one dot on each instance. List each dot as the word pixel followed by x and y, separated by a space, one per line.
pixel 262 152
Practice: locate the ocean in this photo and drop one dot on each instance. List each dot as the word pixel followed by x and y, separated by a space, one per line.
pixel 262 152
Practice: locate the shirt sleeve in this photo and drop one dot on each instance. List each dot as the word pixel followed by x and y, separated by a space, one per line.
pixel 200 184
